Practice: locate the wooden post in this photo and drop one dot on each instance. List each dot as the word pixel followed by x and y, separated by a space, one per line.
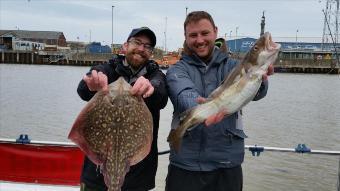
pixel 18 57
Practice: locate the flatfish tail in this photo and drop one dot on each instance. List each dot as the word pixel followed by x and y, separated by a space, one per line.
pixel 115 131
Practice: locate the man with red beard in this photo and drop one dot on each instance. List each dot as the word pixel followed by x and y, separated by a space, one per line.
pixel 148 81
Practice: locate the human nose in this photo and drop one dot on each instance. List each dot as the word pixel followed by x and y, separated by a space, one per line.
pixel 199 39
pixel 141 47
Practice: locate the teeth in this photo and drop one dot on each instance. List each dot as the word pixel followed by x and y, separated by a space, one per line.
pixel 202 46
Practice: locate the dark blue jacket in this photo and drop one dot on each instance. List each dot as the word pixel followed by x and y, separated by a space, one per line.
pixel 221 145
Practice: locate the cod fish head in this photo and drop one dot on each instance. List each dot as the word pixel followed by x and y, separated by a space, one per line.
pixel 263 53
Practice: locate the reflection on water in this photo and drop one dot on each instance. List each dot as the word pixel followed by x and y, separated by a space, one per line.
pixel 42 101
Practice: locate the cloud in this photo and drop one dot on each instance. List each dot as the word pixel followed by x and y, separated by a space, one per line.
pixel 78 18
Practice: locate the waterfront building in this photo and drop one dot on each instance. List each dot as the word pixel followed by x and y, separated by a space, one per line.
pixel 32 40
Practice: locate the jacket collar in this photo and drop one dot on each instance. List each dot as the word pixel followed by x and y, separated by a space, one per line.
pixel 127 73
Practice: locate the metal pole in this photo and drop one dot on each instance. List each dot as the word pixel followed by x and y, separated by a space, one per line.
pixel 336 22
pixel 166 23
pixel 297 30
pixel 235 38
pixel 339 176
pixel 186 11
pixel 112 30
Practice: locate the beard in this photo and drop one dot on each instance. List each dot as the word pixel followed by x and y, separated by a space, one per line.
pixel 136 59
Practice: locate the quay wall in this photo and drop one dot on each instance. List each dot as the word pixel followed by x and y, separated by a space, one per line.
pixel 86 59
pixel 329 66
pixel 72 59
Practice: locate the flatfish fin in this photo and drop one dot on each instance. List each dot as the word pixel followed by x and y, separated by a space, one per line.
pixel 76 134
pixel 115 131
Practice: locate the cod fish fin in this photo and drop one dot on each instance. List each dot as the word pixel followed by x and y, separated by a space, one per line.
pixel 184 114
pixel 174 140
pixel 228 81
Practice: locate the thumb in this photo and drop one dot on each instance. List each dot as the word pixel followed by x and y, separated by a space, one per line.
pixel 201 100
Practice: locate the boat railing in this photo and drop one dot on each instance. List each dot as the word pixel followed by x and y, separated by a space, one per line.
pixel 254 149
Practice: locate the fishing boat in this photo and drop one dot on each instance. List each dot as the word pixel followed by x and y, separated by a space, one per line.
pixel 56 166
pixel 39 165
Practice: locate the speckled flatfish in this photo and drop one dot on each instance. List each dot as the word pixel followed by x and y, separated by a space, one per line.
pixel 114 130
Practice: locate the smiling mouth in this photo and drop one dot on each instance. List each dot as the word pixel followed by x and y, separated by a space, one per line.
pixel 201 47
pixel 138 55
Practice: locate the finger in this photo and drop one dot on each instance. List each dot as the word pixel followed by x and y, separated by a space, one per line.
pixel 143 89
pixel 89 82
pixel 95 80
pixel 200 100
pixel 270 70
pixel 103 81
pixel 86 78
pixel 149 92
pixel 264 77
pixel 135 88
pixel 210 120
pixel 219 117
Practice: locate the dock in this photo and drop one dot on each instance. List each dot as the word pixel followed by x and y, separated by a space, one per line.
pixel 53 58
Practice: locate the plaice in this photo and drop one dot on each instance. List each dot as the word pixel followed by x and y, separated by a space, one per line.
pixel 114 130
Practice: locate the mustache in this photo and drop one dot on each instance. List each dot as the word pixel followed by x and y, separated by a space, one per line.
pixel 141 53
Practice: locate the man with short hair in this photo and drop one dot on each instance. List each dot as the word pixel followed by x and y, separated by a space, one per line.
pixel 211 154
pixel 148 81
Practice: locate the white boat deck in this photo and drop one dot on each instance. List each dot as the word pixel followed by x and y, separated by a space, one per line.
pixel 11 186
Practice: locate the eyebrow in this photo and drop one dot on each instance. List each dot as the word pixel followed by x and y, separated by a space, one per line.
pixel 146 43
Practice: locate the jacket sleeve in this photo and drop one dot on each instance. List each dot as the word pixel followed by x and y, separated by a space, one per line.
pixel 159 98
pixel 83 91
pixel 181 89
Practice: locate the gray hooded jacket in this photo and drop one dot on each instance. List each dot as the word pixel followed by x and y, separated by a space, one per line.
pixel 220 145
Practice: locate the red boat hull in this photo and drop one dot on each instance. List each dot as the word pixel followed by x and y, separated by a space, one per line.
pixel 40 163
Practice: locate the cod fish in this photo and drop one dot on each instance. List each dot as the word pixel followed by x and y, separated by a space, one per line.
pixel 114 130
pixel 236 90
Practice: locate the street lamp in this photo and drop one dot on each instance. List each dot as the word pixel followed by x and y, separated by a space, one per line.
pixel 297 30
pixel 186 11
pixel 112 30
pixel 235 36
pixel 230 38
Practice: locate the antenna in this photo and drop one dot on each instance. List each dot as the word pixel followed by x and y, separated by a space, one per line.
pixel 331 13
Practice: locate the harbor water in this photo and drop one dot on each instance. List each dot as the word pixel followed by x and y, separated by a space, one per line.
pixel 41 101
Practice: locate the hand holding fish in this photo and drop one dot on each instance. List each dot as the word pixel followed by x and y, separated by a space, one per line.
pixel 218 117
pixel 96 81
pixel 142 87
pixel 212 119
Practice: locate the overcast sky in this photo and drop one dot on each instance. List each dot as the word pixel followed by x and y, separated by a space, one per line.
pixel 77 18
